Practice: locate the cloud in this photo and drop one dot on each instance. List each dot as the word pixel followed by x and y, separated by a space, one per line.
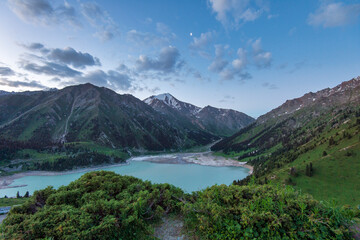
pixel 167 61
pixel 262 59
pixel 235 12
pixel 43 12
pixel 298 65
pixel 66 56
pixel 49 68
pixel 231 73
pixel 6 71
pixel 100 19
pixel 292 31
pixel 270 86
pixel 150 39
pixel 202 41
pixel 227 98
pixel 111 79
pixel 237 67
pixel 27 83
pixel 162 28
pixel 241 61
pixel 72 57
pixel 219 63
pixel 145 38
pixel 334 14
pixel 34 46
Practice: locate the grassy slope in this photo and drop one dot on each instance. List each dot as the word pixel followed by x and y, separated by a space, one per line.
pixel 336 176
pixel 4 202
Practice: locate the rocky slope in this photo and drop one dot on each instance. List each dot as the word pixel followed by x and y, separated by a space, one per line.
pixel 217 121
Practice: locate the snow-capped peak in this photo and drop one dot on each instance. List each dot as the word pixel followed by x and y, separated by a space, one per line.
pixel 164 96
pixel 172 102
pixel 167 98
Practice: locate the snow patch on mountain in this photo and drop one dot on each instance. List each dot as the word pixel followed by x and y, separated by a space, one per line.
pixel 172 102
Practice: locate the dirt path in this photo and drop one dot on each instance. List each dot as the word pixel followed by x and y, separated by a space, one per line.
pixel 2 217
pixel 18 117
pixel 356 230
pixel 170 229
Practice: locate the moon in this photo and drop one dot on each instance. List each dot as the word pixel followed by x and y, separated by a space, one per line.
pixel 190 34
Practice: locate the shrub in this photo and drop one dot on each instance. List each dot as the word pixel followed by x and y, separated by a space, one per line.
pixel 263 212
pixel 99 205
pixel 104 205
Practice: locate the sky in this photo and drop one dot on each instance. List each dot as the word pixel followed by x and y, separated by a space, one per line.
pixel 247 55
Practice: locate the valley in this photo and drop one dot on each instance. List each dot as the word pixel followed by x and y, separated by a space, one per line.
pixel 86 125
pixel 308 145
pixel 197 120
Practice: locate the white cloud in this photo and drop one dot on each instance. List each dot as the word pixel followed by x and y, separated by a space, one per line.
pixel 162 28
pixel 261 58
pixel 228 71
pixel 101 20
pixel 146 38
pixel 334 14
pixel 219 63
pixel 167 61
pixel 43 12
pixel 202 41
pixel 111 79
pixel 240 63
pixel 234 12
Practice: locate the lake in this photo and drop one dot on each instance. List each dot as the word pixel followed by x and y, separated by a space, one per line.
pixel 189 177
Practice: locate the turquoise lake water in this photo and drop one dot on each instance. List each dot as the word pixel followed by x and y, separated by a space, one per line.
pixel 189 177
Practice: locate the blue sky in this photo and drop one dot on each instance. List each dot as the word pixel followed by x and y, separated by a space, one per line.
pixel 241 54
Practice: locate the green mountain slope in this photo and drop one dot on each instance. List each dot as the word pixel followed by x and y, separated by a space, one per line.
pixel 320 128
pixel 86 113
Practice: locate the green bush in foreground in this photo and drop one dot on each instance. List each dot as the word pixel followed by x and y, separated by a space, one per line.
pixel 104 205
pixel 99 205
pixel 264 212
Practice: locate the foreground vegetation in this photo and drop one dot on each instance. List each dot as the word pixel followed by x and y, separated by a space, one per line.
pixel 104 205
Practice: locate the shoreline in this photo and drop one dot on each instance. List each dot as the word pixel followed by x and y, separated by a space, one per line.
pixel 5 181
pixel 202 158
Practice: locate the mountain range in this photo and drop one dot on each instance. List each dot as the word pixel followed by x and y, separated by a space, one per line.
pixel 87 113
pixel 217 121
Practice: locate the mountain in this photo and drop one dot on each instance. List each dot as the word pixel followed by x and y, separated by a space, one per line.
pixel 217 121
pixel 320 129
pixel 3 92
pixel 86 113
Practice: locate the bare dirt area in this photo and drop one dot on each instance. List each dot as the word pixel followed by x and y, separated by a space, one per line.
pixel 171 228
